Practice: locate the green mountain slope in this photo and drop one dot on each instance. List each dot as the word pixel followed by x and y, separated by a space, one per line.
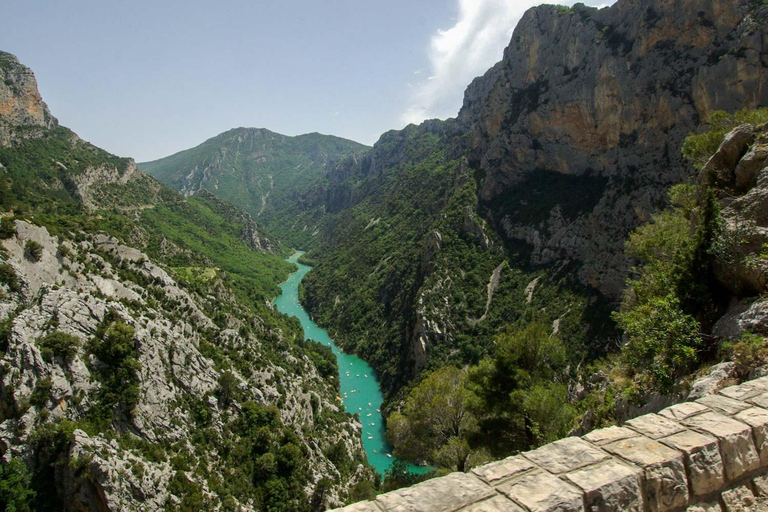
pixel 259 170
pixel 142 365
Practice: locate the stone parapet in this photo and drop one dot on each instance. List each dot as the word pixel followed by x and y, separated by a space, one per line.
pixel 709 455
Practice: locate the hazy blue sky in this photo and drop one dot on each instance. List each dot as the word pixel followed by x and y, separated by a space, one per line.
pixel 148 78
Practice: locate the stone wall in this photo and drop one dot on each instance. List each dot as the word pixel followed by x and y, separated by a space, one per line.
pixel 706 455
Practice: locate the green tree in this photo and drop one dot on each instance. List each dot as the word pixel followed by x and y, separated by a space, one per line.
pixel 516 392
pixel 16 492
pixel 33 250
pixel 662 341
pixel 435 422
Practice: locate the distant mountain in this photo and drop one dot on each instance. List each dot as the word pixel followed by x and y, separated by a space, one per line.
pixel 142 365
pixel 259 170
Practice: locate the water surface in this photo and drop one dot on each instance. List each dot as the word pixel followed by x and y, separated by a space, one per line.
pixel 359 384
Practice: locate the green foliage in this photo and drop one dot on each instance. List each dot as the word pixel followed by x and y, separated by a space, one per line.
pixel 436 421
pixel 59 344
pixel 265 172
pixel 115 347
pixel 33 251
pixel 7 228
pixel 9 278
pixel 662 341
pixel 16 494
pixel 517 393
pixel 698 148
pixel 49 443
pixel 750 351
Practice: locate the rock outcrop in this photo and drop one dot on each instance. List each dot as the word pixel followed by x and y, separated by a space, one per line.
pixel 72 289
pixel 20 102
pixel 587 113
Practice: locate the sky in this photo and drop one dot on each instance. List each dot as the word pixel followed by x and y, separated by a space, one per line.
pixel 148 78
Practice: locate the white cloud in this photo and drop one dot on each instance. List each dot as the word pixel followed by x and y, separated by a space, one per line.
pixel 466 50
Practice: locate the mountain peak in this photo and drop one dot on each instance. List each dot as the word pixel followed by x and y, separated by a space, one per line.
pixel 20 102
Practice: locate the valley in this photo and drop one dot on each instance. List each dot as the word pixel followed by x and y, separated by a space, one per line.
pixel 274 322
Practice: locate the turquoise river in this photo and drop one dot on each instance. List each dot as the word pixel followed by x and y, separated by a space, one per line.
pixel 359 385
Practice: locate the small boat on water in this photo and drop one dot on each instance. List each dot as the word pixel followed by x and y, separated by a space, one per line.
pixel 389 455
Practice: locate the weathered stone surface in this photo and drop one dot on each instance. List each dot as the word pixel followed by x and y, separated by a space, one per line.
pixel 684 410
pixel 495 472
pixel 741 499
pixel 720 373
pixel 447 493
pixel 608 435
pixel 747 390
pixel 757 418
pixel 495 504
pixel 566 455
pixel 702 459
pixel 609 485
pixel 543 492
pixel 723 404
pixel 736 445
pixel 707 506
pixel 362 506
pixel 654 426
pixel 719 169
pixel 665 486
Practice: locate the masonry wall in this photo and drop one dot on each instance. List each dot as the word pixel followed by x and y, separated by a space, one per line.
pixel 710 455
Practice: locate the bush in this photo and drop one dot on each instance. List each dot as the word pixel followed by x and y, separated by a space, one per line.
pixel 59 344
pixel 15 487
pixel 7 228
pixel 8 277
pixel 662 341
pixel 33 250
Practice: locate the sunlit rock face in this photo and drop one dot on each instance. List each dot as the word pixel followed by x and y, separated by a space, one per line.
pixel 577 132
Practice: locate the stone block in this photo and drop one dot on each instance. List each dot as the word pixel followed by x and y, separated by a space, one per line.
pixel 542 492
pixel 723 404
pixel 496 504
pixel 608 435
pixel 361 506
pixel 757 418
pixel 760 485
pixel 736 445
pixel 706 506
pixel 450 492
pixel 702 458
pixel 566 455
pixel 746 390
pixel 495 472
pixel 655 426
pixel 665 486
pixel 609 485
pixel 684 410
pixel 760 400
pixel 739 499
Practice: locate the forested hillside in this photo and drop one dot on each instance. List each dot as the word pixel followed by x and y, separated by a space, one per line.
pixel 141 362
pixel 259 170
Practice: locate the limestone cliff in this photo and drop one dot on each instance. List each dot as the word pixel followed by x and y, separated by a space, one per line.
pixel 20 102
pixel 587 111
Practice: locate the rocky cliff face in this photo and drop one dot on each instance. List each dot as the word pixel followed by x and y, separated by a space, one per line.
pixel 20 102
pixel 587 113
pixel 156 378
pixel 73 289
pixel 573 139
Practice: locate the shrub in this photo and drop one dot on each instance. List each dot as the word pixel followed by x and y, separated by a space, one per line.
pixel 8 276
pixel 33 250
pixel 699 147
pixel 662 341
pixel 59 344
pixel 7 228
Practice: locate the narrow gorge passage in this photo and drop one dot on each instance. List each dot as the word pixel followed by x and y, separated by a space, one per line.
pixel 360 390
